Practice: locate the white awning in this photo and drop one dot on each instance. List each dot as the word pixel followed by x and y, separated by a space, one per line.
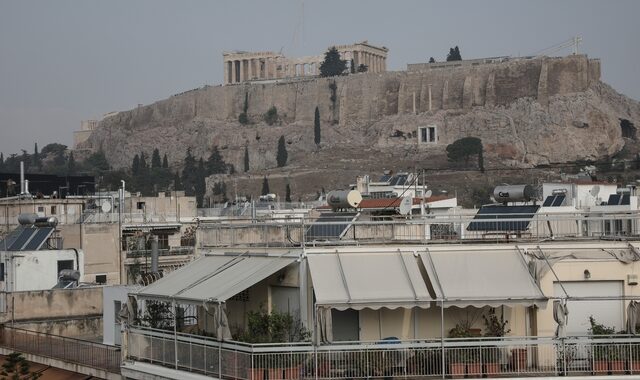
pixel 215 278
pixel 358 280
pixel 481 278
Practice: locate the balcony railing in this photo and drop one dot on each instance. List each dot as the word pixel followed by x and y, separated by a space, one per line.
pixel 491 357
pixel 173 251
pixel 433 228
pixel 82 352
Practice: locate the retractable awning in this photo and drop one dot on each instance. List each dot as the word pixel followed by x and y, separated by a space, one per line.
pixel 358 280
pixel 481 278
pixel 215 278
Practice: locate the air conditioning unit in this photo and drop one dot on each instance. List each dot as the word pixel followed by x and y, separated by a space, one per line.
pixel 632 279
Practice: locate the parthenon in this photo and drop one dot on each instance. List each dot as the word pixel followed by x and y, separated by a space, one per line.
pixel 241 66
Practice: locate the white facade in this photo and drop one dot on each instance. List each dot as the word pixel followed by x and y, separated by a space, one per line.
pixel 113 298
pixel 37 270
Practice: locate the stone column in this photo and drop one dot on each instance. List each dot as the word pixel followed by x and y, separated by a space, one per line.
pixel 250 72
pixel 242 78
pixel 225 75
pixel 233 71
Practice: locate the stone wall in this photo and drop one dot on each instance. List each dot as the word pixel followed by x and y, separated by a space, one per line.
pixel 525 111
pixel 52 304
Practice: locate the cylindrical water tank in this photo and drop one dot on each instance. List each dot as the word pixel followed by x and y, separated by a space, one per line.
pixel 514 193
pixel 344 199
pixel 46 221
pixel 27 219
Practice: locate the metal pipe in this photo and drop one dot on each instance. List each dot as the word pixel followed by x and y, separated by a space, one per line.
pixel 154 254
pixel 21 177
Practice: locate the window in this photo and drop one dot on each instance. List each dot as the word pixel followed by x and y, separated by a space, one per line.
pixel 41 209
pixel 64 264
pixel 1 271
pixel 140 205
pixel 163 241
pixel 53 210
pixel 428 135
pixel 101 279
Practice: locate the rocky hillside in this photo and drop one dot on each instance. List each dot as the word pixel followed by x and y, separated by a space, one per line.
pixel 527 112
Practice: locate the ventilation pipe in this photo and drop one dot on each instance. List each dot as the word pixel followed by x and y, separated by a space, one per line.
pixel 21 177
pixel 154 254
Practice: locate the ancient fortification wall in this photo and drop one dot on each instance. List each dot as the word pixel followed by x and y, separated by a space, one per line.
pixel 522 109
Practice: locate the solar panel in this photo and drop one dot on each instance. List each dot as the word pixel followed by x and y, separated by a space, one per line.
pixel 626 199
pixel 38 239
pixel 549 201
pixel 24 237
pixel 320 230
pixel 495 218
pixel 385 178
pixel 559 199
pixel 614 199
pixel 10 238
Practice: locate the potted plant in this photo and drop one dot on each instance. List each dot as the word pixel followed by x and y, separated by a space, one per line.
pixel 457 358
pixel 494 327
pixel 602 353
pixel 424 363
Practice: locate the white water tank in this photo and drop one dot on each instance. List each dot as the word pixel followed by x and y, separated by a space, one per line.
pixel 338 199
pixel 514 193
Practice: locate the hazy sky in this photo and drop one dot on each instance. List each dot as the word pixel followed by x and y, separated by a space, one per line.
pixel 64 61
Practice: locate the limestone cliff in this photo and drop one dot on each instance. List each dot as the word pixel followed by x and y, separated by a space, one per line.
pixel 527 112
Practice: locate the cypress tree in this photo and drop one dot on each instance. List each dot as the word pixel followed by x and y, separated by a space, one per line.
pixel 36 160
pixel 189 173
pixel 71 164
pixel 265 186
pixel 215 162
pixel 177 183
pixel 282 155
pixel 200 183
pixel 316 127
pixel 143 163
pixel 246 158
pixel 155 159
pixel 165 162
pixel 135 165
pixel 1 161
pixel 287 192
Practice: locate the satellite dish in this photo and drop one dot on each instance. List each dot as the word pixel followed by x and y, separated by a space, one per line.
pixel 106 206
pixel 595 190
pixel 428 194
pixel 405 205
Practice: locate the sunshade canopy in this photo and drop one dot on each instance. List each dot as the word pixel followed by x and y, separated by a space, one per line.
pixel 358 280
pixel 215 278
pixel 481 278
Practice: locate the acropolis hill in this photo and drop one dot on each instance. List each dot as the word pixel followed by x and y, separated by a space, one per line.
pixel 526 111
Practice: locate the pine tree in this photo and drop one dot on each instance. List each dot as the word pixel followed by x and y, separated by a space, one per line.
pixel 316 127
pixel 215 162
pixel 333 64
pixel 165 162
pixel 265 186
pixel 287 193
pixel 246 158
pixel 454 54
pixel 282 155
pixel 135 165
pixel 155 159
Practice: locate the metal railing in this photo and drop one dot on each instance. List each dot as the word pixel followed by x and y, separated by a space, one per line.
pixel 418 229
pixel 172 251
pixel 70 350
pixel 456 358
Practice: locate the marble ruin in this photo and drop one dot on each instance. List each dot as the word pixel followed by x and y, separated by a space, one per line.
pixel 240 66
